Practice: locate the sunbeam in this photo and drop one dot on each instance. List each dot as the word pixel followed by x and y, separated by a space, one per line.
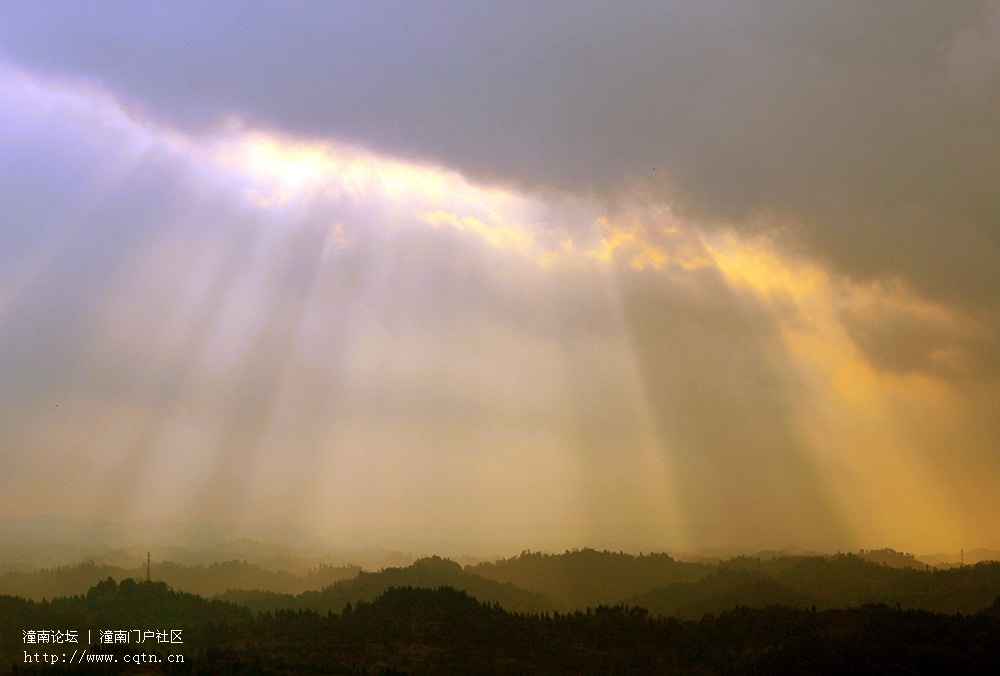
pixel 259 326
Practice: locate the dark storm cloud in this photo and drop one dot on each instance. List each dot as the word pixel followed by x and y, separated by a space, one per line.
pixel 870 131
pixel 736 99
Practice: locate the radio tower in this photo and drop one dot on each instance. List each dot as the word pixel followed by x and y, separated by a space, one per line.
pixel 147 567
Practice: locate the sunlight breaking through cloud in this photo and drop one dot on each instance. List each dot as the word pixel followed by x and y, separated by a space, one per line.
pixel 261 326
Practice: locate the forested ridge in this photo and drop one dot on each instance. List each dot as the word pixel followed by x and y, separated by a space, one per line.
pixel 431 572
pixel 586 577
pixel 435 631
pixel 574 580
pixel 840 581
pixel 745 615
pixel 204 580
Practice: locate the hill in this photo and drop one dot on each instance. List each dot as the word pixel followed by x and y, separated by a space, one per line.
pixel 431 572
pixel 424 631
pixel 127 605
pixel 209 580
pixel 588 578
pixel 840 581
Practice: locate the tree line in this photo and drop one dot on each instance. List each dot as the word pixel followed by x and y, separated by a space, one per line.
pixel 440 631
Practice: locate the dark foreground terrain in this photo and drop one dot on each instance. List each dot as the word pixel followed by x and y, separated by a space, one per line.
pixel 444 631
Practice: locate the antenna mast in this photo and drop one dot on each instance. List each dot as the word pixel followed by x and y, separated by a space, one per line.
pixel 148 579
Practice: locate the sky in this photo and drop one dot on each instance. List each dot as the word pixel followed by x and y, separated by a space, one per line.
pixel 660 276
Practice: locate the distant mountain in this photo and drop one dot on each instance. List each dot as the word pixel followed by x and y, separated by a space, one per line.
pixel 211 580
pixel 967 557
pixel 45 541
pixel 432 572
pixel 51 529
pixel 588 578
pixel 840 581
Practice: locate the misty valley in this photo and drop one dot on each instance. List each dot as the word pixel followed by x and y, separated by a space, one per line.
pixel 579 612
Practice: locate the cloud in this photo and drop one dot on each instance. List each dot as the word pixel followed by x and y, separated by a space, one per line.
pixel 283 326
pixel 974 56
pixel 868 132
